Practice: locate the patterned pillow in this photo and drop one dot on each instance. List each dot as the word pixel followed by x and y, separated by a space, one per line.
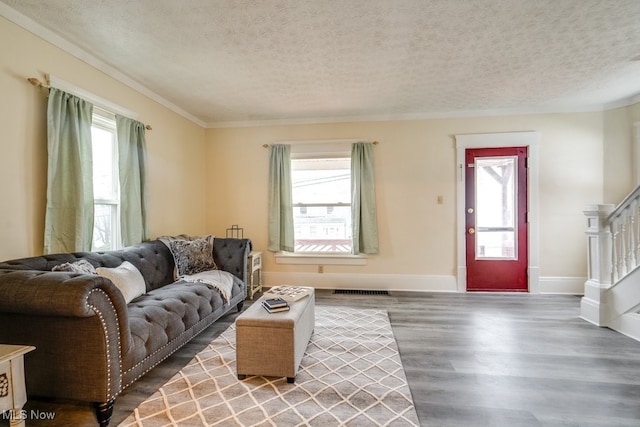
pixel 193 256
pixel 80 266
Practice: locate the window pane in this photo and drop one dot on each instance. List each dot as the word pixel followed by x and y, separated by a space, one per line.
pixel 323 188
pixel 321 180
pixel 104 182
pixel 317 231
pixel 495 244
pixel 495 207
pixel 104 223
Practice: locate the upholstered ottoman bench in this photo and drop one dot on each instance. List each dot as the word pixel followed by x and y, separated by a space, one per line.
pixel 272 344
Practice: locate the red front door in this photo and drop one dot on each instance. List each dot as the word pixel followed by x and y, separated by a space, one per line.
pixel 496 219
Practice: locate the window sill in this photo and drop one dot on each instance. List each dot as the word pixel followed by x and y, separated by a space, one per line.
pixel 320 259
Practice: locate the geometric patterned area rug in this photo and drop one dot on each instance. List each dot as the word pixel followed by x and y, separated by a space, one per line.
pixel 350 375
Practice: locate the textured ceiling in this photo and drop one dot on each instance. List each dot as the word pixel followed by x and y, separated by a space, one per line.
pixel 233 61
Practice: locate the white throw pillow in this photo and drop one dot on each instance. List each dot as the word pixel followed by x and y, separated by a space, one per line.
pixel 127 278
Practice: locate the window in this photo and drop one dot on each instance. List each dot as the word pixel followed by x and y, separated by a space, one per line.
pixel 106 224
pixel 322 205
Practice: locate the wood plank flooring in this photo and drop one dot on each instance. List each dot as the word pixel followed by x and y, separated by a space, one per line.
pixel 470 359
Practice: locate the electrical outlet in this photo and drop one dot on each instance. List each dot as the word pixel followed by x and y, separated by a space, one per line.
pixel 321 269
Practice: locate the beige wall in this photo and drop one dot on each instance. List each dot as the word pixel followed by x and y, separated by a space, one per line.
pixel 415 163
pixel 634 112
pixel 618 159
pixel 175 145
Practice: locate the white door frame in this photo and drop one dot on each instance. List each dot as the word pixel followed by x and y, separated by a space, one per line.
pixel 497 140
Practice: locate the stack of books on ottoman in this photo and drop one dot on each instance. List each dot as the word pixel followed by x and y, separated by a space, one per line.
pixel 275 305
pixel 288 293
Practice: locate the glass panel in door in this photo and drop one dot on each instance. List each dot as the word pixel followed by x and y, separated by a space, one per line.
pixel 496 234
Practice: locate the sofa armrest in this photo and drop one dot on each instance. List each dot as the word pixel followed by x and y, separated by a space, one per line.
pixel 43 293
pixel 231 255
pixel 59 313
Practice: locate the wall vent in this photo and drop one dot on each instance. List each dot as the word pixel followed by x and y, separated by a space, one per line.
pixel 359 292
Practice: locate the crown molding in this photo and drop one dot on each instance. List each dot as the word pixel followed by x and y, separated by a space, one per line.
pixel 624 102
pixel 411 116
pixel 49 36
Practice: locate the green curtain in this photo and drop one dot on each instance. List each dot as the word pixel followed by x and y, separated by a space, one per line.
pixel 280 199
pixel 363 199
pixel 69 211
pixel 132 164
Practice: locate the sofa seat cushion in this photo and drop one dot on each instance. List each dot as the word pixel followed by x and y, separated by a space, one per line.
pixel 163 314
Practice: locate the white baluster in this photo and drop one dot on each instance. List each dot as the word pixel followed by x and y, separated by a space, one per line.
pixel 615 256
pixel 623 244
pixel 622 256
pixel 620 246
pixel 627 239
pixel 631 255
pixel 637 232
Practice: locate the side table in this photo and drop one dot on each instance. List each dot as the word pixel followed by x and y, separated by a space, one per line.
pixel 254 273
pixel 13 392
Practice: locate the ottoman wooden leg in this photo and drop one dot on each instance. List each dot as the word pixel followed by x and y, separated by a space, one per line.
pixel 291 380
pixel 241 377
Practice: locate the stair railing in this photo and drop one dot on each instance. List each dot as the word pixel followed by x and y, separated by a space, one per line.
pixel 624 225
pixel 613 251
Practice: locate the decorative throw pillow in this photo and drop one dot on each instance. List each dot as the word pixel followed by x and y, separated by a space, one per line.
pixel 80 266
pixel 168 239
pixel 193 256
pixel 127 278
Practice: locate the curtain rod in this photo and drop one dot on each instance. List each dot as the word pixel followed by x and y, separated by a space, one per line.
pixel 267 145
pixel 47 85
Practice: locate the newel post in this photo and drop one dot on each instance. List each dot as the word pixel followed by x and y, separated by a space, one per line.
pixel 593 306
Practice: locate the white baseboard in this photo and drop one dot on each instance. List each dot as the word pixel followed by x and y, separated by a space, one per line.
pixel 404 282
pixel 627 324
pixel 388 282
pixel 562 285
pixel 590 311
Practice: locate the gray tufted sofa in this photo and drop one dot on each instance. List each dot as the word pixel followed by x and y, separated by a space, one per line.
pixel 90 344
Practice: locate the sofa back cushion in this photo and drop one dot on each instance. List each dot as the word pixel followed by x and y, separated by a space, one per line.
pixel 231 255
pixel 153 259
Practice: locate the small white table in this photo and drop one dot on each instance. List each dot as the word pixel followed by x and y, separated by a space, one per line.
pixel 254 273
pixel 13 392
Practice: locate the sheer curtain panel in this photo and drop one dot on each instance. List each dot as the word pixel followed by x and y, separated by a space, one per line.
pixel 69 211
pixel 132 164
pixel 280 199
pixel 363 199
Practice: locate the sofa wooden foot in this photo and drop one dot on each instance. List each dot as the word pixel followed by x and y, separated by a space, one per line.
pixel 239 306
pixel 104 410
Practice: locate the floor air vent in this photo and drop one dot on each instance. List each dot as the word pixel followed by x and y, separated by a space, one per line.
pixel 359 292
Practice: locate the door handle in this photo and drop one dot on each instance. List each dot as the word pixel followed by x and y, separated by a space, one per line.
pixel 471 230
